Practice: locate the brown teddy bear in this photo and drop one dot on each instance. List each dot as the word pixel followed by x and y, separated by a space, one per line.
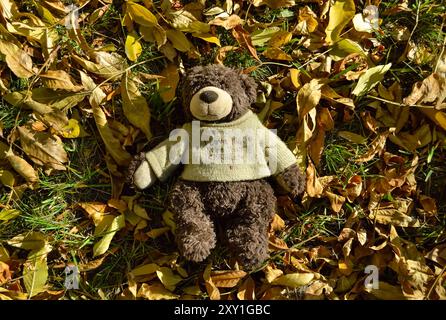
pixel 228 157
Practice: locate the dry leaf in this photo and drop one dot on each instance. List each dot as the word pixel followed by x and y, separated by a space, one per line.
pixel 135 106
pixel 168 84
pixel 227 278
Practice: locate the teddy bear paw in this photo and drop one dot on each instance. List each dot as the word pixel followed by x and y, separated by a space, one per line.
pixel 197 247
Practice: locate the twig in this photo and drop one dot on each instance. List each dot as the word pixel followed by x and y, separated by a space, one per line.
pixel 434 284
pixel 399 104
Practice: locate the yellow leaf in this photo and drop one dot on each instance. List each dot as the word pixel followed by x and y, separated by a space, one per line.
pixel 71 130
pixel 135 106
pixel 133 47
pixel 247 290
pixel 168 278
pixel 274 4
pixel 280 39
pixel 113 145
pixel 155 233
pixel 169 220
pixel 308 97
pixel 30 241
pixel 9 214
pixel 212 290
pixel 141 15
pixel 22 167
pixel 277 54
pixel 7 178
pixel 352 137
pixel 169 83
pixel 4 254
pixel 17 60
pixel 155 292
pixel 35 270
pixel 272 274
pixel 294 280
pixel 59 79
pixel 307 22
pixel 43 148
pixel 179 40
pixel 145 269
pixel 207 37
pixel 227 278
pixel 102 245
pixel 341 12
pixel 370 78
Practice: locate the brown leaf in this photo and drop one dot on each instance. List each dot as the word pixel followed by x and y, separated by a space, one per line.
pixel 43 148
pixel 376 146
pixel 247 290
pixel 227 22
pixel 430 90
pixel 277 54
pixel 22 167
pixel 17 60
pixel 212 290
pixel 169 83
pixel 135 106
pixel 244 40
pixel 227 278
pixel 59 79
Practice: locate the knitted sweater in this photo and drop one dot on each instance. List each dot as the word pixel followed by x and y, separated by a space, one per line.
pixel 243 149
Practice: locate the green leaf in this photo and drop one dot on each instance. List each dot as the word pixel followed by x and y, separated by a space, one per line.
pixel 370 78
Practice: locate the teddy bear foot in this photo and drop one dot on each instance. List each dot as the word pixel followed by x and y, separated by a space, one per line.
pixel 195 247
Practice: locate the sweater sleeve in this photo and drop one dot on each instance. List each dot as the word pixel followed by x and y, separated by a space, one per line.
pixel 169 154
pixel 277 153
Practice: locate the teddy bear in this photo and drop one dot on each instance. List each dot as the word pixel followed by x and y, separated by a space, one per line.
pixel 223 193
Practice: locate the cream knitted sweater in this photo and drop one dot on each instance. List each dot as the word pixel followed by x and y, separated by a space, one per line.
pixel 243 149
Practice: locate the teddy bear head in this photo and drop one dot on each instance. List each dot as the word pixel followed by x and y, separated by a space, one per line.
pixel 215 93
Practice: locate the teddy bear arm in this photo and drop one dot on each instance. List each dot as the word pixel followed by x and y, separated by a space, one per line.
pixel 139 172
pixel 292 179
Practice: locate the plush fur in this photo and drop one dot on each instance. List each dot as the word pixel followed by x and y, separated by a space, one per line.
pixel 241 210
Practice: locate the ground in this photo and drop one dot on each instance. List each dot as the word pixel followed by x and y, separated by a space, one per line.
pixel 357 93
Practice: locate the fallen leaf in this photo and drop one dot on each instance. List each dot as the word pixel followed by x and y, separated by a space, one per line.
pixel 43 148
pixel 169 83
pixel 227 278
pixel 155 292
pixel 341 12
pixel 212 290
pixel 110 230
pixel 294 280
pixel 133 47
pixel 135 106
pixel 244 40
pixel 370 78
pixel 17 60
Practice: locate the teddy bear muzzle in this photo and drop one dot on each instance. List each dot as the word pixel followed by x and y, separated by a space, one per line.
pixel 210 104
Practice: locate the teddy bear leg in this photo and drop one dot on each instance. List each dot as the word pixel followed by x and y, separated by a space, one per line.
pixel 195 234
pixel 247 233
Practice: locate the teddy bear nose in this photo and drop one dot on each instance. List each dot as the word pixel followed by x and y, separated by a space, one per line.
pixel 208 96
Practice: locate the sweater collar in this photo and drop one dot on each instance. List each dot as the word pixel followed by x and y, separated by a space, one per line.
pixel 244 118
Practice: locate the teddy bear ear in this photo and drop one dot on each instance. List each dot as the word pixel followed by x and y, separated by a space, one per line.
pixel 250 88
